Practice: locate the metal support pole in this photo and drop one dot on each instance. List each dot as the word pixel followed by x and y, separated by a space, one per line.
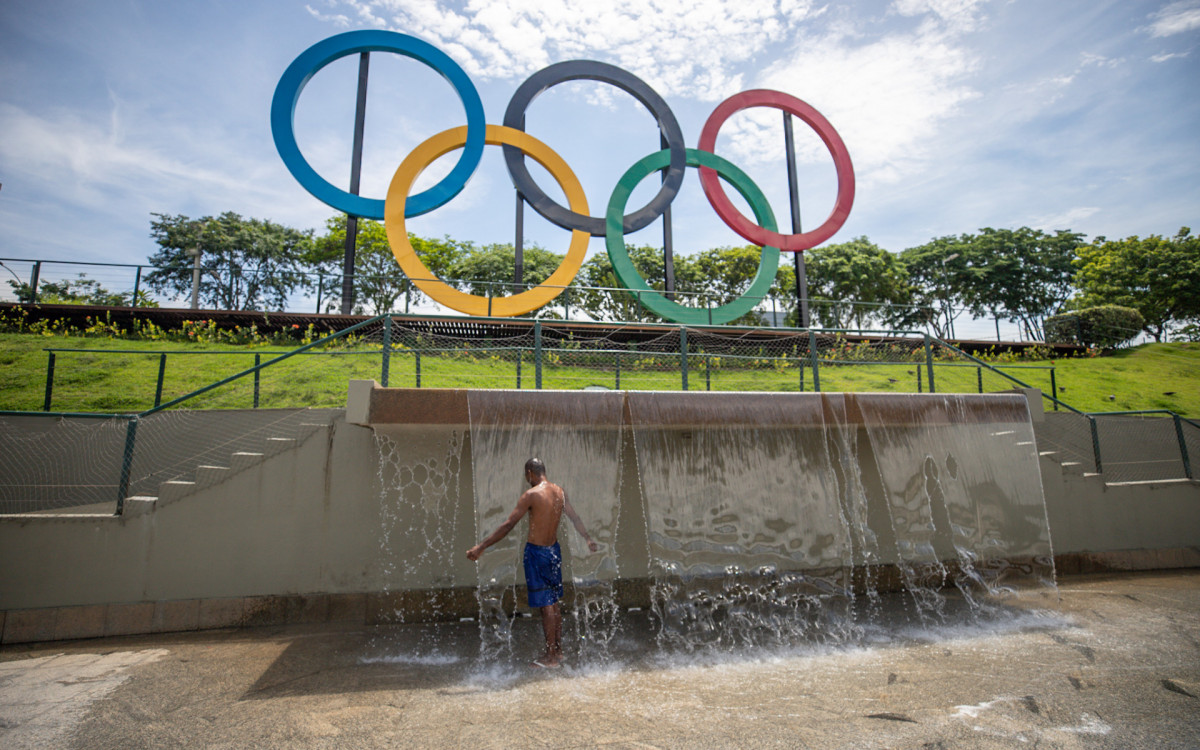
pixel 257 379
pixel 1183 451
pixel 800 367
pixel 162 374
pixel 1054 389
pixel 387 350
pixel 929 363
pixel 537 354
pixel 137 287
pixel 617 385
pixel 320 288
pixel 196 278
pixel 683 362
pixel 360 114
pixel 33 280
pixel 417 356
pixel 126 463
pixel 707 373
pixel 804 320
pixel 1096 445
pixel 812 355
pixel 979 377
pixel 518 369
pixel 49 382
pixel 668 239
pixel 919 387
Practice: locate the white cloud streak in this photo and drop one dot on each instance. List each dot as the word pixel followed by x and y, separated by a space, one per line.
pixel 1176 18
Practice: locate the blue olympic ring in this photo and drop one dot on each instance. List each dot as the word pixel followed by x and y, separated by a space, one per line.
pixel 304 67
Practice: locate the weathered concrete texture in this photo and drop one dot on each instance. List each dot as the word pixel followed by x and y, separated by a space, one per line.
pixel 1116 664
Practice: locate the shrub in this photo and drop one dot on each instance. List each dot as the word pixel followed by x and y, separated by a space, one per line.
pixel 1104 327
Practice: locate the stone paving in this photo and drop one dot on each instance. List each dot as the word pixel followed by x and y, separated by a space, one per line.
pixel 1112 662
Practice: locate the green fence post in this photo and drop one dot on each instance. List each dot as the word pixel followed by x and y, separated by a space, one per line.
pixel 1096 445
pixel 126 463
pixel 387 350
pixel 417 356
pixel 33 281
pixel 919 388
pixel 617 385
pixel 537 354
pixel 707 373
pixel 800 367
pixel 683 363
pixel 1054 389
pixel 162 374
pixel 929 363
pixel 979 377
pixel 137 287
pixel 519 369
pixel 812 355
pixel 49 382
pixel 1183 452
pixel 257 373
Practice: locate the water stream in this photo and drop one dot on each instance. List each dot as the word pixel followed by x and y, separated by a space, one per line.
pixel 755 522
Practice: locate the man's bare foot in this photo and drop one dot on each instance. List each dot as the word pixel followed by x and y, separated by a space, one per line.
pixel 548 661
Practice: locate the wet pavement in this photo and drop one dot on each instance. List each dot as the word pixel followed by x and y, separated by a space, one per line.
pixel 1112 662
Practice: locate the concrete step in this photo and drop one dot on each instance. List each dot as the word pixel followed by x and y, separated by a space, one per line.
pixel 172 490
pixel 275 446
pixel 207 476
pixel 243 460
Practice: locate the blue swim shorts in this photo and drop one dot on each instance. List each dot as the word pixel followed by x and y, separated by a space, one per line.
pixel 543 574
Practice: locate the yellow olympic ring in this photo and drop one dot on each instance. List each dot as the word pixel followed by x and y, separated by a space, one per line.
pixel 424 155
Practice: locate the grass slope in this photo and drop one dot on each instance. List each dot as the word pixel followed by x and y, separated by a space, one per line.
pixel 1152 376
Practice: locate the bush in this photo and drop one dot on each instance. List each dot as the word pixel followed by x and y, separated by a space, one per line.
pixel 1104 327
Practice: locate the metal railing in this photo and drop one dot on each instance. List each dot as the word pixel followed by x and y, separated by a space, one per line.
pixel 690 352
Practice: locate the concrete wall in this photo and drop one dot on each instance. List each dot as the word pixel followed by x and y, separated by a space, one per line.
pixel 313 533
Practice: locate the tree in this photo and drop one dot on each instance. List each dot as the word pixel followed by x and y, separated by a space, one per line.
pixel 1158 277
pixel 609 300
pixel 79 291
pixel 488 270
pixel 844 276
pixel 246 264
pixel 379 282
pixel 1024 274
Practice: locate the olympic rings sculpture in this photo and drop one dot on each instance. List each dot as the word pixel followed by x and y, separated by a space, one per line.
pixel 517 144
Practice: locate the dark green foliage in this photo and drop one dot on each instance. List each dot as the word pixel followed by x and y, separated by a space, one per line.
pixel 1105 326
pixel 245 264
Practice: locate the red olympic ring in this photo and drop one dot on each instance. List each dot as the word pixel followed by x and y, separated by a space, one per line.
pixel 796 243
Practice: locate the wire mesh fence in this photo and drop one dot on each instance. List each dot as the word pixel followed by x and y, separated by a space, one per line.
pixel 182 414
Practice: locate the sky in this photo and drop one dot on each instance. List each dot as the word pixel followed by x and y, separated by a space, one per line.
pixel 958 114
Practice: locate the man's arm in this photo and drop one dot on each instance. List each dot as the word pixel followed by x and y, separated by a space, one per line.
pixel 577 522
pixel 522 508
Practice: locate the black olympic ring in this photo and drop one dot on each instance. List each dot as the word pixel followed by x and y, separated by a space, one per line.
pixel 573 70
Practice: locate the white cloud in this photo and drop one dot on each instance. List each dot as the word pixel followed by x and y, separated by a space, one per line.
pixel 886 99
pixel 1167 56
pixel 681 51
pixel 1072 217
pixel 1176 18
pixel 958 15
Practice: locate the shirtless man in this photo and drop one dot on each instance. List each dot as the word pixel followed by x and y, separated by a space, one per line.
pixel 545 502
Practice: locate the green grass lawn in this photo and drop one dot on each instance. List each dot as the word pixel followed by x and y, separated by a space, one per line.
pixel 1152 376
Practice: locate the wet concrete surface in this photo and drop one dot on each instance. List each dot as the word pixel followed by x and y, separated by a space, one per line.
pixel 1111 662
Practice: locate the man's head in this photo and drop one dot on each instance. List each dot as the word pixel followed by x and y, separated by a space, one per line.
pixel 535 471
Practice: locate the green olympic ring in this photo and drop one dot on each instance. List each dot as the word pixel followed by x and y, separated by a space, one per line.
pixel 651 298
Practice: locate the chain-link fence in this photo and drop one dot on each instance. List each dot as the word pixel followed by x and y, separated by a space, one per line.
pixel 167 434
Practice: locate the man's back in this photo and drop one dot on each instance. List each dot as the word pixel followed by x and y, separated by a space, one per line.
pixel 546 502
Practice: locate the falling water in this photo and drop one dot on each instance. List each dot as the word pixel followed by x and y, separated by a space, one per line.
pixel 963 486
pixel 419 489
pixel 770 520
pixel 747 540
pixel 578 437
